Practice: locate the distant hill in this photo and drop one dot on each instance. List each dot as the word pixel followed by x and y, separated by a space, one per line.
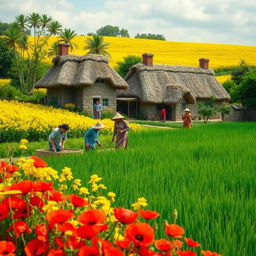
pixel 177 53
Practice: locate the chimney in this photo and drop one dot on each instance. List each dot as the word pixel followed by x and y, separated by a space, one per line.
pixel 204 63
pixel 147 59
pixel 63 48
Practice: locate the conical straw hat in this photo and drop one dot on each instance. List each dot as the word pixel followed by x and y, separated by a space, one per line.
pixel 99 125
pixel 187 110
pixel 117 116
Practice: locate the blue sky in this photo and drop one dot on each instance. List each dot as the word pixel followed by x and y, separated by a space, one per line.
pixel 215 21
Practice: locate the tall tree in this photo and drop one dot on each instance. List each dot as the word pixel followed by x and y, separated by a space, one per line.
pixel 96 45
pixel 6 56
pixel 29 54
pixel 108 30
pixel 124 33
pixel 67 35
pixel 123 66
pixel 151 36
pixel 3 27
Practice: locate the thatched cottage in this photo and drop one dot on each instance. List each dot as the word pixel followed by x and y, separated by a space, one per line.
pixel 175 87
pixel 81 80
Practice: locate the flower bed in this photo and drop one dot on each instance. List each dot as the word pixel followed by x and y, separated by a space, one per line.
pixel 38 218
pixel 34 122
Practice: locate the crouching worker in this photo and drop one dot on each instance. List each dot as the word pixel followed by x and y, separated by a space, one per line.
pixel 58 137
pixel 91 136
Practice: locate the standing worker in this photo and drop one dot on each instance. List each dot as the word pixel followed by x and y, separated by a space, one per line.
pixel 91 136
pixel 58 137
pixel 163 114
pixel 121 129
pixel 187 118
pixel 97 108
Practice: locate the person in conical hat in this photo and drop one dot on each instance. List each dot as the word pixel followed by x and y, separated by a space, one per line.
pixel 187 118
pixel 121 129
pixel 91 136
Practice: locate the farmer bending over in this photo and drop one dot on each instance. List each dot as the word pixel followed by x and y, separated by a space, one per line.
pixel 58 137
pixel 91 136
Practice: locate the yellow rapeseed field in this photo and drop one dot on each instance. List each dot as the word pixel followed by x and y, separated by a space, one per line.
pixel 34 122
pixel 4 81
pixel 223 78
pixel 170 52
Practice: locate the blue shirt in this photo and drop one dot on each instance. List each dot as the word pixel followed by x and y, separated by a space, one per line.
pixel 57 136
pixel 97 107
pixel 91 137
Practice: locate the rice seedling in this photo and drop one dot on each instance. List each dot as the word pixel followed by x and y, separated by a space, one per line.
pixel 206 173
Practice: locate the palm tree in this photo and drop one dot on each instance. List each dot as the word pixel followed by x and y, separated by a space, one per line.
pixel 45 20
pixel 67 35
pixel 12 36
pixel 96 45
pixel 22 20
pixel 54 27
pixel 53 51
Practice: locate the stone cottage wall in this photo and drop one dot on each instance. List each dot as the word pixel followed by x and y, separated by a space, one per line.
pixel 101 90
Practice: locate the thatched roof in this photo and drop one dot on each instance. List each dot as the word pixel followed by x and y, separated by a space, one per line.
pixel 74 70
pixel 169 84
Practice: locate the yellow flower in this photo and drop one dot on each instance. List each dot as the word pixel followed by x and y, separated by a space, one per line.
pixel 74 222
pixel 94 178
pixel 23 147
pixel 63 187
pixel 112 196
pixel 83 191
pixel 102 186
pixel 141 202
pixel 66 174
pixel 68 233
pixel 11 192
pixel 24 141
pixel 94 187
pixel 76 184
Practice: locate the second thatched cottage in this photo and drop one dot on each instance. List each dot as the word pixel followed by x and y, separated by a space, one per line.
pixel 152 87
pixel 81 80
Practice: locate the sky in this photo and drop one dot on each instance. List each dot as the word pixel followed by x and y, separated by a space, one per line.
pixel 212 21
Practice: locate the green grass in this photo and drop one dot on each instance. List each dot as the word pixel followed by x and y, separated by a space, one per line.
pixel 172 124
pixel 207 174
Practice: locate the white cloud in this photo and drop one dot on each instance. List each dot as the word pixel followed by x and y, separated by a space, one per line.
pixel 224 21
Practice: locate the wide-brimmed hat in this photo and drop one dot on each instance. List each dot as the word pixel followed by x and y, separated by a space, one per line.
pixel 117 116
pixel 187 110
pixel 98 126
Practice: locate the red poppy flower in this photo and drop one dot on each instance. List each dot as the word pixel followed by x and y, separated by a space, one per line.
pixel 125 216
pixel 190 242
pixel 141 234
pixel 14 202
pixel 209 253
pixel 177 244
pixel 54 195
pixel 36 247
pixel 144 251
pixel 174 230
pixel 4 211
pixel 163 245
pixel 77 201
pixel 92 217
pixel 88 251
pixel 90 231
pixel 111 250
pixel 123 244
pixel 11 168
pixel 36 201
pixel 41 186
pixel 186 253
pixel 148 215
pixel 38 162
pixel 56 252
pixel 24 186
pixel 41 232
pixel 7 248
pixel 19 227
pixel 58 217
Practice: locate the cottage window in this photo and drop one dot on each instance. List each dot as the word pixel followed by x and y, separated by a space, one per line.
pixel 105 102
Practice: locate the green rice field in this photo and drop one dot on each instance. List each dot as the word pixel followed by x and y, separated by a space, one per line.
pixel 207 173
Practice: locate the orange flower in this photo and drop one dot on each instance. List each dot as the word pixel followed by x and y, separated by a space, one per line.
pixel 174 230
pixel 209 253
pixel 141 234
pixel 58 217
pixel 41 232
pixel 92 217
pixel 125 216
pixel 41 186
pixel 38 162
pixel 36 201
pixel 7 248
pixel 190 242
pixel 123 244
pixel 148 215
pixel 186 253
pixel 54 195
pixel 163 245
pixel 88 251
pixel 90 231
pixel 24 186
pixel 56 252
pixel 77 201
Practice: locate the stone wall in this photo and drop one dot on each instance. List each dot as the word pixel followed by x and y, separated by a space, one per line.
pixel 149 111
pixel 98 90
pixel 235 115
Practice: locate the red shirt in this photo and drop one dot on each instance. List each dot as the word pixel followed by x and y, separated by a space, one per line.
pixel 163 112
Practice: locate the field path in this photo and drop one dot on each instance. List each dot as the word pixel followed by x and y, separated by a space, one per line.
pixel 157 126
